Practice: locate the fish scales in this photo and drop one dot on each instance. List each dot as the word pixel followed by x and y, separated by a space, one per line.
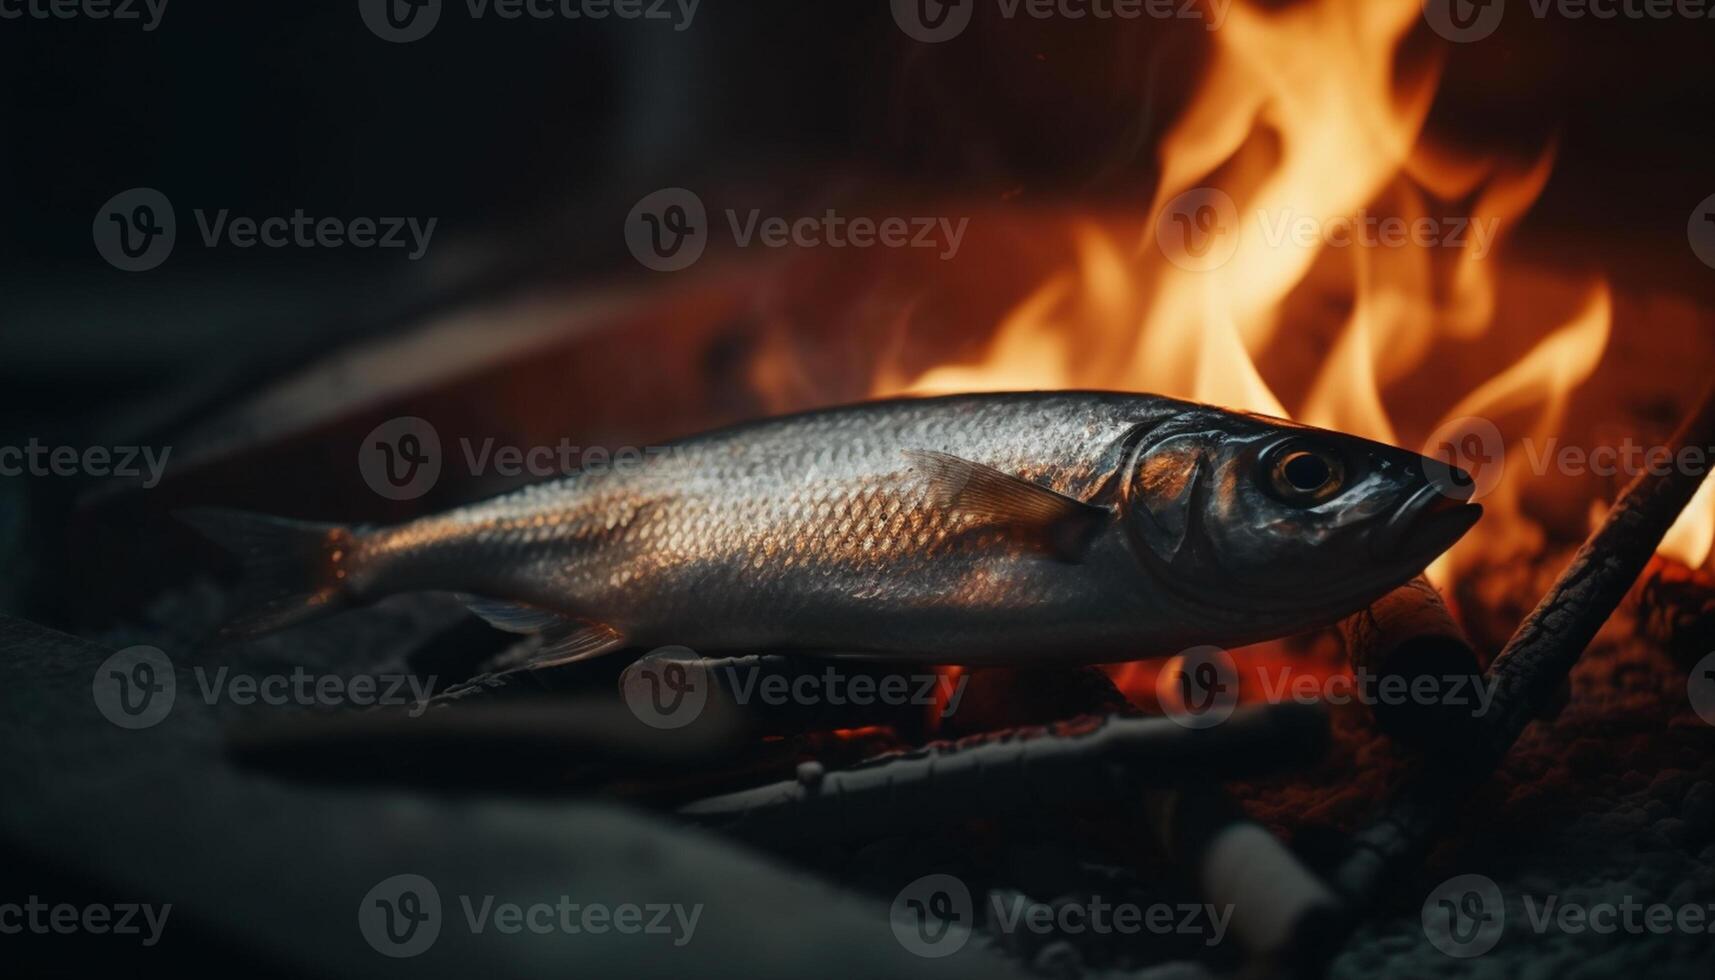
pixel 971 529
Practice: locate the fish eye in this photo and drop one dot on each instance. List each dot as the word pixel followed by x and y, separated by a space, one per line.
pixel 1300 474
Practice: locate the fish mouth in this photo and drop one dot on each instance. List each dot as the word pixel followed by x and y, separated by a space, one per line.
pixel 1425 525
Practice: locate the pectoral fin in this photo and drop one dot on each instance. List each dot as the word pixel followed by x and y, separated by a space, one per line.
pixel 562 639
pixel 1060 525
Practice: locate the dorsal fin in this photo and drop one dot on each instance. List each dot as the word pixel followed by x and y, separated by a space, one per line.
pixel 1061 525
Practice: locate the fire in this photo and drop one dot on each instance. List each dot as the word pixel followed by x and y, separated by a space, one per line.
pixel 1540 381
pixel 1306 135
pixel 1691 537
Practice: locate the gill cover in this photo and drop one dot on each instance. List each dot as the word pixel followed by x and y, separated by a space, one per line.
pixel 1165 496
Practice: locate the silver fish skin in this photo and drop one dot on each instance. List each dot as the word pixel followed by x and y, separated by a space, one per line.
pixel 970 529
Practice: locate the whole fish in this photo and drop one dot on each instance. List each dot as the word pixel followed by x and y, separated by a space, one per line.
pixel 970 529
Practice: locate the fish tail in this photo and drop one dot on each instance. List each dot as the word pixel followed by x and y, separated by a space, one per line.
pixel 293 571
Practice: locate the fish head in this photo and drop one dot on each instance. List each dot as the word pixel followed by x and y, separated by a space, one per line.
pixel 1257 514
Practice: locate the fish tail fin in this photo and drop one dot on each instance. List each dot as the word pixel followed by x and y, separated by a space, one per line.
pixel 293 571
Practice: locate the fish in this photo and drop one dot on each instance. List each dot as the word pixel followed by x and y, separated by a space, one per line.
pixel 976 529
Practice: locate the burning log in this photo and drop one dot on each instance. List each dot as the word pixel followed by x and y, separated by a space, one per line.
pixel 1099 759
pixel 1409 637
pixel 1534 664
pixel 1677 609
pixel 1287 919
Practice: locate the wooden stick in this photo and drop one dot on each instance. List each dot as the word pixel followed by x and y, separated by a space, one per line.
pixel 1535 662
pixel 1092 760
pixel 1406 637
pixel 1288 920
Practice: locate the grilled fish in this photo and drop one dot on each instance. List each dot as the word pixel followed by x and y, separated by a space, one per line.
pixel 970 529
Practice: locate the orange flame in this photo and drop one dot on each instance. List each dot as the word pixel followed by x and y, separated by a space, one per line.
pixel 1310 125
pixel 1305 120
pixel 1692 536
